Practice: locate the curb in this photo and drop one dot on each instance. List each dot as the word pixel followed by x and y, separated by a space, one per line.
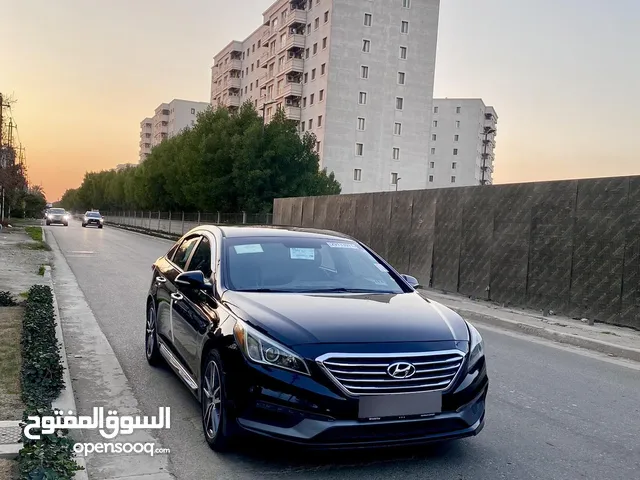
pixel 548 334
pixel 65 400
pixel 9 451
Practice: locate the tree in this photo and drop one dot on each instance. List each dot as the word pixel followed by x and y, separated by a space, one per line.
pixel 225 162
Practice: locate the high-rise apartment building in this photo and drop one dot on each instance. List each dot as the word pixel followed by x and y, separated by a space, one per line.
pixel 461 147
pixel 168 120
pixel 356 73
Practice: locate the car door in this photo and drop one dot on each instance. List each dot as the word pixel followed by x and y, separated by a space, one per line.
pixel 168 269
pixel 196 310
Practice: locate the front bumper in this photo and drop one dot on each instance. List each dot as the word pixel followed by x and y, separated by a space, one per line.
pixel 58 220
pixel 317 415
pixel 93 222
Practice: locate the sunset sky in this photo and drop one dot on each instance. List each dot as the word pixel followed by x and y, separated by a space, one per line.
pixel 563 75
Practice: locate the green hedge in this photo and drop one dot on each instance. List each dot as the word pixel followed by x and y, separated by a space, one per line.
pixel 50 457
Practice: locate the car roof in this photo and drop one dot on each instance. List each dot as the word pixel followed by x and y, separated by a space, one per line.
pixel 247 231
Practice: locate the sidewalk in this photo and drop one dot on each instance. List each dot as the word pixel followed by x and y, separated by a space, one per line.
pixel 609 339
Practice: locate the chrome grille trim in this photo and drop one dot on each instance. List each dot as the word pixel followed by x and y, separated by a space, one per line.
pixel 366 373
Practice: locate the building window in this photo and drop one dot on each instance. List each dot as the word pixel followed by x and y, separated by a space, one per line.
pixel 321 95
pixel 307 53
pixel 399 103
pixel 313 74
pixel 397 129
pixel 359 149
pixel 357 174
pixel 401 78
pixel 406 3
pixel 318 146
pixel 366 46
pixel 394 178
pixel 306 78
pixel 311 97
pixel 434 137
pixel 435 123
pixel 457 123
pixel 396 153
pixel 458 109
pixel 309 29
pixel 435 109
pixel 431 178
pixel 302 125
pixel 453 165
pixel 316 23
pixel 405 27
pixel 324 43
pixel 456 138
pixel 367 19
pixel 323 68
pixel 453 179
pixel 315 48
pixel 455 151
pixel 319 121
pixel 403 53
pixel 432 164
pixel 304 102
pixel 361 123
pixel 193 111
pixel 326 16
pixel 362 98
pixel 310 123
pixel 364 71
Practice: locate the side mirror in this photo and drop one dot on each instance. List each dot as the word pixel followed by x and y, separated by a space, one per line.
pixel 194 279
pixel 413 281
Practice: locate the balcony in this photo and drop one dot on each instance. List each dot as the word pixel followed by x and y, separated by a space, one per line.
pixel 266 57
pixel 267 33
pixel 292 65
pixel 292 89
pixel 295 18
pixel 232 101
pixel 293 113
pixel 293 41
pixel 233 82
pixel 233 65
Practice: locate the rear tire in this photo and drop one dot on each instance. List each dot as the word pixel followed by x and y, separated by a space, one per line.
pixel 152 351
pixel 66 224
pixel 48 222
pixel 217 423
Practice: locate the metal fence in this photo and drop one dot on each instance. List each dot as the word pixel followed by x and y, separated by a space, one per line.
pixel 179 223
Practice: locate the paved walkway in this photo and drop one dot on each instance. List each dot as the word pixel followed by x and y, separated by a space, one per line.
pixel 612 340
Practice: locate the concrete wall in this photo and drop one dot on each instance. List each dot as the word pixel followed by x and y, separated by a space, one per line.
pixel 569 246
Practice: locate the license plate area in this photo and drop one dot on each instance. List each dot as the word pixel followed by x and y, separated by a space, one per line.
pixel 399 405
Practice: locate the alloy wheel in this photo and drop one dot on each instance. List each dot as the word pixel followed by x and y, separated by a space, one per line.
pixel 212 399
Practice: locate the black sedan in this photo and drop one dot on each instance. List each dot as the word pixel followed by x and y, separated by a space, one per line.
pixel 310 337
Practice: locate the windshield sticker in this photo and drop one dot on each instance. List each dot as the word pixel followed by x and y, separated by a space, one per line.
pixel 302 253
pixel 381 268
pixel 342 245
pixel 251 248
pixel 379 282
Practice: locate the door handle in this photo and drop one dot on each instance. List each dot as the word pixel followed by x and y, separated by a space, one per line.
pixel 161 279
pixel 176 296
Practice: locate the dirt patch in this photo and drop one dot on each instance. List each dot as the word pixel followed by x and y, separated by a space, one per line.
pixel 11 407
pixel 8 469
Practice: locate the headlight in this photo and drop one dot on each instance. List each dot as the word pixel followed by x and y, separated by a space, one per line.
pixel 86 218
pixel 476 346
pixel 260 349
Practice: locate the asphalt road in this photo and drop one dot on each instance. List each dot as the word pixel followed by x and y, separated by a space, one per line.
pixel 553 413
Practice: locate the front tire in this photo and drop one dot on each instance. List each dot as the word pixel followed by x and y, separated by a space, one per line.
pixel 48 222
pixel 99 226
pixel 66 224
pixel 152 351
pixel 216 421
pixel 84 225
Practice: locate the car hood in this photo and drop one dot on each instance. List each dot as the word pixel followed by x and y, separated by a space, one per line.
pixel 296 319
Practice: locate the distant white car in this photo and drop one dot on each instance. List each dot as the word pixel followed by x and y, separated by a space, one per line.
pixel 58 216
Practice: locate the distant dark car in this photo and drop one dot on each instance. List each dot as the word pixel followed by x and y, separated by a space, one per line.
pixel 57 216
pixel 310 337
pixel 92 218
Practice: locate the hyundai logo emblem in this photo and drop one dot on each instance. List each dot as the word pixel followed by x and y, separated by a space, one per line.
pixel 401 370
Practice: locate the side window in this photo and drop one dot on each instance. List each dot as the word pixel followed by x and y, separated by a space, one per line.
pixel 184 250
pixel 201 259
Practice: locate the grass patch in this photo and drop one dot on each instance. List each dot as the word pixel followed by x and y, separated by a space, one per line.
pixel 36 246
pixel 41 270
pixel 11 406
pixel 50 456
pixel 35 233
pixel 24 294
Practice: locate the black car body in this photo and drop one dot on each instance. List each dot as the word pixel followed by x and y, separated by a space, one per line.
pixel 92 218
pixel 57 216
pixel 268 330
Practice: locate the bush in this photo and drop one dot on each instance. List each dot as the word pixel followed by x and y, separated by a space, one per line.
pixel 50 457
pixel 6 300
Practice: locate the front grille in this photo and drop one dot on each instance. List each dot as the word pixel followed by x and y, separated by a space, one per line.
pixel 360 374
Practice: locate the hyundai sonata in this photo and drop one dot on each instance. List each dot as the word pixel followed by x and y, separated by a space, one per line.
pixel 310 337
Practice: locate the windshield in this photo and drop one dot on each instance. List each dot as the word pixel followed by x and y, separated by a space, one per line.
pixel 288 264
pixel 56 210
pixel 92 214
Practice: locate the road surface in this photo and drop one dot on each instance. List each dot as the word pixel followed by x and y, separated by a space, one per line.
pixel 553 412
